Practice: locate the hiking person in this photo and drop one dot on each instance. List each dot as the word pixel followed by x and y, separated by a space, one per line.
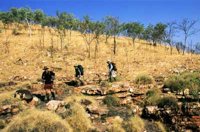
pixel 112 70
pixel 79 72
pixel 48 77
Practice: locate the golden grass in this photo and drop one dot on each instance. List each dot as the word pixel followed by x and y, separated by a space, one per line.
pixel 161 126
pixel 116 126
pixel 79 119
pixel 131 60
pixel 40 121
pixel 136 124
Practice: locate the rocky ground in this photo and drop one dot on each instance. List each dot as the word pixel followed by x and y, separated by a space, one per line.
pixel 98 100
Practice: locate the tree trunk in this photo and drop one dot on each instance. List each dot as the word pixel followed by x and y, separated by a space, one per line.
pixel 96 48
pixel 171 48
pixel 115 45
pixel 133 40
pixel 185 41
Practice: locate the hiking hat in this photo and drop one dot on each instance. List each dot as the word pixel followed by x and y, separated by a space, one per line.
pixel 45 68
pixel 108 61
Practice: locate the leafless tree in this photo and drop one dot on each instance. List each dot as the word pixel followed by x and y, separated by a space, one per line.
pixel 170 33
pixel 188 28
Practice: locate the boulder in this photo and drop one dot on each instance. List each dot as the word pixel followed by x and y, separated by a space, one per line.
pixel 54 104
pixel 93 109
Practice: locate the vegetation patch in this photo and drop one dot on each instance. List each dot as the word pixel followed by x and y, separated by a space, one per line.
pixel 78 118
pixel 152 97
pixel 185 80
pixel 143 79
pixel 134 124
pixel 168 102
pixel 38 121
pixel 111 100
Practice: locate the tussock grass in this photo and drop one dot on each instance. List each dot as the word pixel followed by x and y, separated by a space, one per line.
pixel 116 126
pixel 78 118
pixel 143 79
pixel 40 121
pixel 152 97
pixel 134 124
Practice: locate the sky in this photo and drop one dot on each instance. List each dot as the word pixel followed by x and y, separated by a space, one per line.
pixel 144 11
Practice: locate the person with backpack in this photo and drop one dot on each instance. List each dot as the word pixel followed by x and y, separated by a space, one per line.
pixel 112 70
pixel 48 77
pixel 79 72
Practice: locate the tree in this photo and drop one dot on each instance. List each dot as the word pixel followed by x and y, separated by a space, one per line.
pixel 170 33
pixel 187 27
pixel 179 46
pixel 107 30
pixel 26 16
pixel 99 28
pixel 147 34
pixel 38 16
pixel 113 27
pixel 133 30
pixel 197 47
pixel 158 33
pixel 87 28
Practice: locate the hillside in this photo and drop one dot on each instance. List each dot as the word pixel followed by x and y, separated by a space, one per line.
pixel 22 66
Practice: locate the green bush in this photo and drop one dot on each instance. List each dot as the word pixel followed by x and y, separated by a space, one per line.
pixel 111 100
pixel 168 102
pixel 152 97
pixel 143 79
pixel 185 80
pixel 175 83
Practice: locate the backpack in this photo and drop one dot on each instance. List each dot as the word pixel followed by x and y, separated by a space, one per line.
pixel 80 67
pixel 114 66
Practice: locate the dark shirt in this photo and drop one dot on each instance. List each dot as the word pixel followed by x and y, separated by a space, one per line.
pixel 77 72
pixel 48 77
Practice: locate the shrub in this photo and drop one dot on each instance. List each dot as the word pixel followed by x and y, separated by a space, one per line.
pixel 105 84
pixel 185 80
pixel 78 118
pixel 38 121
pixel 143 79
pixel 168 102
pixel 134 124
pixel 152 97
pixel 175 83
pixel 116 126
pixel 111 100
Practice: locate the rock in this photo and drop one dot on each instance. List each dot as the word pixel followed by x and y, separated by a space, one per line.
pixel 125 101
pixel 15 110
pixel 166 90
pixel 97 110
pixel 86 102
pixel 152 109
pixel 54 104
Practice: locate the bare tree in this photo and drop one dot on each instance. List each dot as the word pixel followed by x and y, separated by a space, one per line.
pixel 187 27
pixel 170 33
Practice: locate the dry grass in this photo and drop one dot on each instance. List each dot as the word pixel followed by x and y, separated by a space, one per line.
pixel 78 118
pixel 161 126
pixel 131 61
pixel 134 124
pixel 116 126
pixel 40 121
